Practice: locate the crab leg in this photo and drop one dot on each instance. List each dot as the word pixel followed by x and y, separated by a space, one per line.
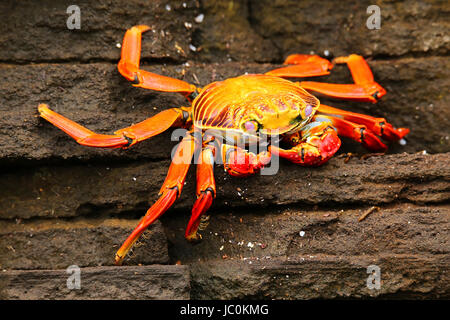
pixel 357 132
pixel 303 65
pixel 319 143
pixel 129 66
pixel 123 138
pixel 206 191
pixel 170 191
pixel 241 163
pixel 379 126
pixel 363 89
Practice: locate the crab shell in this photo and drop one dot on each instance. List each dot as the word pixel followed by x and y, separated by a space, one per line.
pixel 243 108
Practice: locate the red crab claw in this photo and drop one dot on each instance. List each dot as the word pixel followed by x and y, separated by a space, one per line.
pixel 315 151
pixel 241 163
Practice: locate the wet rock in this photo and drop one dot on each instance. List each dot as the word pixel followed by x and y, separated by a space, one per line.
pixel 92 190
pixel 322 276
pixel 227 34
pixel 51 244
pixel 103 23
pixel 294 231
pixel 155 282
pixel 407 27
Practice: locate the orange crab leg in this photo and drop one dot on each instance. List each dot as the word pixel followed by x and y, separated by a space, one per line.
pixel 320 143
pixel 367 93
pixel 129 66
pixel 122 138
pixel 304 65
pixel 363 89
pixel 170 191
pixel 206 191
pixel 356 132
pixel 241 163
pixel 379 126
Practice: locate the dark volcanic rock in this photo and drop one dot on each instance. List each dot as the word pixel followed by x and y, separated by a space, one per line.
pixel 304 253
pixel 156 282
pixel 58 244
pixel 93 190
pixel 321 276
pixel 37 30
pixel 407 27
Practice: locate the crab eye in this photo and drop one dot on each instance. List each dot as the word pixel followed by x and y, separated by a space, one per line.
pixel 308 110
pixel 251 126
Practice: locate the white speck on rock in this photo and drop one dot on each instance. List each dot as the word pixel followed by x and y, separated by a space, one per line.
pixel 402 142
pixel 302 233
pixel 199 18
pixel 193 48
pixel 168 7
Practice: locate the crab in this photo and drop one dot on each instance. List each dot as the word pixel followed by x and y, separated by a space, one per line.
pixel 226 117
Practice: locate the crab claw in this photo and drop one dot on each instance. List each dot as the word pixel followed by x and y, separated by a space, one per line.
pixel 241 163
pixel 315 151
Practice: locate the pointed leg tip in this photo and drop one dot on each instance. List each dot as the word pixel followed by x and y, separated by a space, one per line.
pixel 42 107
pixel 142 27
pixel 118 260
pixel 194 238
pixel 403 132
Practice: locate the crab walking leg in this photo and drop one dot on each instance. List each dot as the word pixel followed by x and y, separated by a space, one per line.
pixel 379 126
pixel 170 191
pixel 129 66
pixel 241 163
pixel 364 88
pixel 357 132
pixel 319 143
pixel 303 65
pixel 206 192
pixel 123 138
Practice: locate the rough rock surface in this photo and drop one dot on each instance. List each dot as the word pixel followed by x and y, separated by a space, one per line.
pixel 155 282
pixel 56 244
pixel 294 235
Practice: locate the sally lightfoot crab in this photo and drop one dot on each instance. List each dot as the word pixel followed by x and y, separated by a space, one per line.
pixel 226 117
